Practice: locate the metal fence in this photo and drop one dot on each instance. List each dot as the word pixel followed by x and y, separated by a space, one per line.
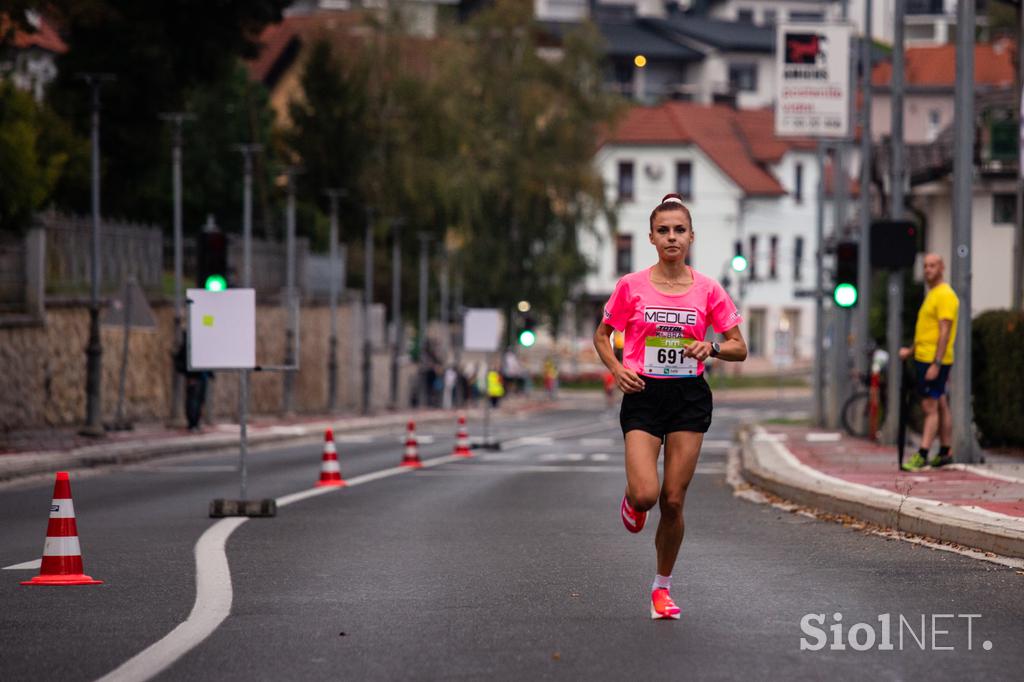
pixel 268 265
pixel 126 249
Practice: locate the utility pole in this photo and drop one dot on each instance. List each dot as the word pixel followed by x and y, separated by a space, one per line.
pixel 367 303
pixel 177 119
pixel 964 447
pixel 1017 295
pixel 336 274
pixel 819 286
pixel 421 383
pixel 247 151
pixel 396 308
pixel 290 301
pixel 446 337
pixel 863 323
pixel 94 349
pixel 894 326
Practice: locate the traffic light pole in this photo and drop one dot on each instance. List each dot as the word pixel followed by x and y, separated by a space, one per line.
pixel 819 287
pixel 862 332
pixel 964 446
pixel 247 151
pixel 894 326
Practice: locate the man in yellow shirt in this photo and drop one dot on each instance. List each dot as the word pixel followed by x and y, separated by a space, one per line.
pixel 933 357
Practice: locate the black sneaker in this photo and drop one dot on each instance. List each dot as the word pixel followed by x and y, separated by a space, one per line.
pixel 940 461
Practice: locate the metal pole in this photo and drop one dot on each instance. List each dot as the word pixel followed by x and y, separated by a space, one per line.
pixel 446 337
pixel 332 343
pixel 819 286
pixel 840 317
pixel 1017 295
pixel 247 151
pixel 894 324
pixel 863 324
pixel 289 296
pixel 119 421
pixel 367 303
pixel 421 383
pixel 964 447
pixel 396 309
pixel 94 348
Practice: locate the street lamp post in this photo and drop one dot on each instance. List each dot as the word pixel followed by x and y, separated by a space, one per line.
pixel 94 349
pixel 332 345
pixel 396 307
pixel 367 303
pixel 421 384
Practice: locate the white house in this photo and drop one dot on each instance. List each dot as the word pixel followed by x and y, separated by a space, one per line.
pixel 742 185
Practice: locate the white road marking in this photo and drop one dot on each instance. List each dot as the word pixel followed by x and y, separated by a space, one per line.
pixel 716 445
pixel 536 440
pixel 24 566
pixel 602 442
pixel 200 469
pixel 823 437
pixel 600 457
pixel 561 457
pixel 342 438
pixel 501 456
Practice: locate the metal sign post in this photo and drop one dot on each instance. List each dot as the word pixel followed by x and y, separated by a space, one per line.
pixel 481 331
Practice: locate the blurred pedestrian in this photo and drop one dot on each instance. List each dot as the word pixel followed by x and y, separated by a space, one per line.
pixel 495 387
pixel 195 385
pixel 932 350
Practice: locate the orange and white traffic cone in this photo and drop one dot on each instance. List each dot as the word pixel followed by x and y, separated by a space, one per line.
pixel 62 555
pixel 412 448
pixel 330 470
pixel 462 440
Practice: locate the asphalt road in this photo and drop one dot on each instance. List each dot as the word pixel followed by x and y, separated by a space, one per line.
pixel 511 565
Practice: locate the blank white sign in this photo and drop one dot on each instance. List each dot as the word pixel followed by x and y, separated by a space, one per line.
pixel 482 329
pixel 222 329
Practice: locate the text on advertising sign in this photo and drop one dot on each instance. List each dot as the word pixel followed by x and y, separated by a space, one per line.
pixel 812 64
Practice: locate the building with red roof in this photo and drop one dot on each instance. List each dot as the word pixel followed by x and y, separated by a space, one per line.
pixel 743 185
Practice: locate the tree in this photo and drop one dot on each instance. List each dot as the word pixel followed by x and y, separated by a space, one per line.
pixel 159 51
pixel 36 148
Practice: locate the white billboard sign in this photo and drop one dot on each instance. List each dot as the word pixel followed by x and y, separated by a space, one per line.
pixel 482 330
pixel 813 71
pixel 221 328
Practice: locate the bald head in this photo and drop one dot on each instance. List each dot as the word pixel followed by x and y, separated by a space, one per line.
pixel 934 268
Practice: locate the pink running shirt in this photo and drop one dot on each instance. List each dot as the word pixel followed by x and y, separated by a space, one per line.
pixel 656 325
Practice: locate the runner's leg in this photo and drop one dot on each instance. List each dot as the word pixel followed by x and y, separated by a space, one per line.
pixel 931 421
pixel 642 451
pixel 682 448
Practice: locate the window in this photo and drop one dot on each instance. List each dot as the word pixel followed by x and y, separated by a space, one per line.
pixel 770 16
pixel 798 183
pixel 752 258
pixel 806 16
pixel 773 257
pixel 684 179
pixel 798 259
pixel 626 181
pixel 745 16
pixel 934 123
pixel 623 254
pixel 1004 209
pixel 755 332
pixel 743 77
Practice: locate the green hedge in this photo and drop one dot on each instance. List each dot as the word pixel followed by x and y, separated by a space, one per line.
pixel 997 376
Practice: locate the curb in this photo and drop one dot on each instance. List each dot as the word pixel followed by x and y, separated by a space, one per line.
pixel 768 464
pixel 16 466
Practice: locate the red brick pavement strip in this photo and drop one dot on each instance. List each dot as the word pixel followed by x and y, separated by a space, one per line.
pixel 866 463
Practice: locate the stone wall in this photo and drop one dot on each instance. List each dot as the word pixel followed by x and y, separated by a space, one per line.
pixel 43 368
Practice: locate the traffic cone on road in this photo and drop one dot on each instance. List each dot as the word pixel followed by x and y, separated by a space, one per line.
pixel 412 448
pixel 330 470
pixel 462 440
pixel 62 555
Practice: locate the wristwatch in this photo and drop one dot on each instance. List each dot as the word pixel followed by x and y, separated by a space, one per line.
pixel 715 349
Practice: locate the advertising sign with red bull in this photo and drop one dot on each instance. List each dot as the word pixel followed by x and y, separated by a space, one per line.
pixel 812 62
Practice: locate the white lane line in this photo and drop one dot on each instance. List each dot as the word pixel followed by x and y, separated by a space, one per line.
pixel 716 445
pixel 600 457
pixel 199 469
pixel 24 566
pixel 823 437
pixel 601 442
pixel 213 588
pixel 212 606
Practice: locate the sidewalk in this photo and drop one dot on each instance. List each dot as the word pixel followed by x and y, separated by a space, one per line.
pixel 43 451
pixel 980 505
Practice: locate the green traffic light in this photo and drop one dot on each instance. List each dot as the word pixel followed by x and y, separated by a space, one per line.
pixel 845 295
pixel 527 338
pixel 739 263
pixel 215 283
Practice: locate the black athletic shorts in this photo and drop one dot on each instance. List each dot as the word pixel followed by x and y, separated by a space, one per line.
pixel 667 405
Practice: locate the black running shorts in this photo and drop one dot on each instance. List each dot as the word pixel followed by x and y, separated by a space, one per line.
pixel 667 405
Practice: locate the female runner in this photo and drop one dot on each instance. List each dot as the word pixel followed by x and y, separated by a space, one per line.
pixel 664 312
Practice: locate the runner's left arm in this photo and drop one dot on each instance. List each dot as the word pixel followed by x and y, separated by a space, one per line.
pixel 733 348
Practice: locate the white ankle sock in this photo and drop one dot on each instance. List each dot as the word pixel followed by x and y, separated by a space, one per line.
pixel 662 581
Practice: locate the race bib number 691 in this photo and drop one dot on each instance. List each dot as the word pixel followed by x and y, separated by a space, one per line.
pixel 666 357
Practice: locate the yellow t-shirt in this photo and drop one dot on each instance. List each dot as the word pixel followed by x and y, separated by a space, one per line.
pixel 941 303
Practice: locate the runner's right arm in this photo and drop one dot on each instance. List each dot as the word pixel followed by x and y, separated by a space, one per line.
pixel 626 379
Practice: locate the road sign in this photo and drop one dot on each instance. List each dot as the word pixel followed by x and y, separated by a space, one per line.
pixel 221 329
pixel 813 72
pixel 482 330
pixel 130 308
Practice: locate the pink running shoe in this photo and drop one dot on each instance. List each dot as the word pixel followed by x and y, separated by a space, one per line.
pixel 662 606
pixel 633 520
